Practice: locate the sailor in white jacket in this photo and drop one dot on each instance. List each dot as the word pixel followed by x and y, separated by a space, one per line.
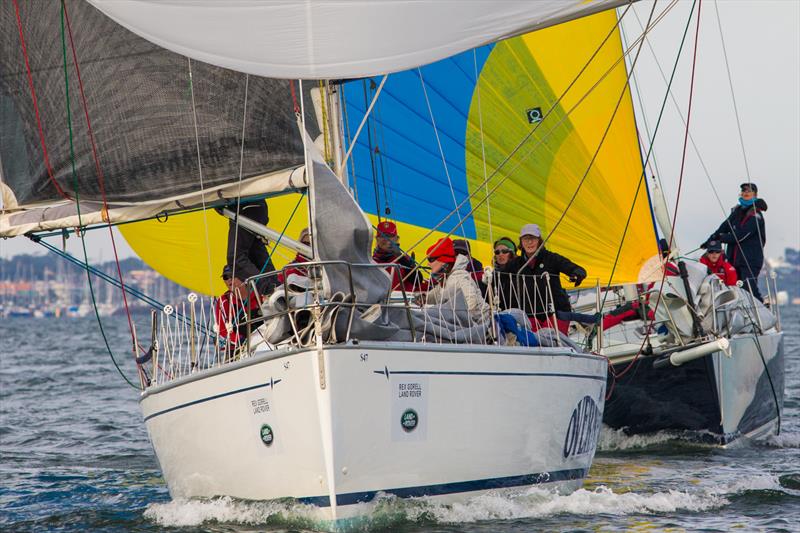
pixel 444 262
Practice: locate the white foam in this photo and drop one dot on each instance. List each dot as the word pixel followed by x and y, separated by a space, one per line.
pixel 538 503
pixel 784 440
pixel 616 439
pixel 528 503
pixel 183 513
pixel 754 482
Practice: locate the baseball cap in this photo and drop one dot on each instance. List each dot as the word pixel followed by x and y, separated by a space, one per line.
pixel 530 229
pixel 387 229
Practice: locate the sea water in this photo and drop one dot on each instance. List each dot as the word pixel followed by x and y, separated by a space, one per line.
pixel 74 456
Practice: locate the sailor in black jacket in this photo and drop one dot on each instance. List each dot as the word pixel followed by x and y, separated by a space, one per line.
pixel 247 252
pixel 745 234
pixel 536 260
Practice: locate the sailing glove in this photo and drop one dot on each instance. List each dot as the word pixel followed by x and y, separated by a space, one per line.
pixel 577 279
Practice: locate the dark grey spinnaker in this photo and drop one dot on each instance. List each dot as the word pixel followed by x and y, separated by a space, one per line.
pixel 139 99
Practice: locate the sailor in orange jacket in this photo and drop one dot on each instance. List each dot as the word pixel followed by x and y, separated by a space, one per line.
pixel 715 260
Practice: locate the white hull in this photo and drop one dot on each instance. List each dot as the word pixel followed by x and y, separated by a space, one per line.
pixel 745 394
pixel 486 418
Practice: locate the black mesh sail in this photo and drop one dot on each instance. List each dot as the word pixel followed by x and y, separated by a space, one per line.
pixel 139 100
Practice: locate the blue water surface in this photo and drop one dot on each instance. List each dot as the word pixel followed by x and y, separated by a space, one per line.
pixel 74 456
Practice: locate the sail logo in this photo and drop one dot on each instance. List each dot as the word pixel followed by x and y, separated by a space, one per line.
pixel 534 115
pixel 583 428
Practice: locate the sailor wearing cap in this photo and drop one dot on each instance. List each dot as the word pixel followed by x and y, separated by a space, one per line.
pixel 535 288
pixel 715 260
pixel 455 280
pixel 745 233
pixel 387 251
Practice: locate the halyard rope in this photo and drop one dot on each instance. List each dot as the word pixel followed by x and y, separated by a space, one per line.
pixel 680 182
pixel 78 206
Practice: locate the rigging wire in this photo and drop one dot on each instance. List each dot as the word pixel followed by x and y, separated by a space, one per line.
pixel 654 163
pixel 49 168
pixel 483 145
pixel 364 120
pixel 441 153
pixel 101 180
pixel 631 364
pixel 238 192
pixel 351 169
pixel 563 214
pixel 380 140
pixel 371 152
pixel 78 208
pixel 547 134
pixel 758 228
pixel 200 174
pixel 696 149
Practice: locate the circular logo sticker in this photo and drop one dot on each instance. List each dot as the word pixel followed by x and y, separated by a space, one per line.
pixel 409 420
pixel 267 436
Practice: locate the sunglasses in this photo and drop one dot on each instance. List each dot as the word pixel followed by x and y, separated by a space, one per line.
pixel 502 251
pixel 226 278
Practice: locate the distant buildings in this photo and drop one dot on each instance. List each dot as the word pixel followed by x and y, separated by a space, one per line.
pixel 40 286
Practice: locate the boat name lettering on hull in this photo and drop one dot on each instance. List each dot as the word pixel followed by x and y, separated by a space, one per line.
pixel 409 390
pixel 259 405
pixel 583 428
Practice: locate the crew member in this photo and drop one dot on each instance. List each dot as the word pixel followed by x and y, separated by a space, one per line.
pixel 247 252
pixel 505 250
pixel 231 313
pixel 715 260
pixel 474 267
pixel 451 269
pixel 744 232
pixel 387 251
pixel 535 290
pixel 295 274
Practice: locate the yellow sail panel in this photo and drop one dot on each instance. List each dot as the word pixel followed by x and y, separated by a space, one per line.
pixel 531 72
pixel 177 248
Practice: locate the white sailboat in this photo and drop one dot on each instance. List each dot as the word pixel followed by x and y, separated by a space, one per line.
pixel 332 415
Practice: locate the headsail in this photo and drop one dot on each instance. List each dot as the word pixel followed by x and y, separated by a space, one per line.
pixel 488 100
pixel 334 40
pixel 142 101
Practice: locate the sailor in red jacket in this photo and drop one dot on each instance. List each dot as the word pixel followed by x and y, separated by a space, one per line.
pixel 297 276
pixel 231 313
pixel 387 251
pixel 715 260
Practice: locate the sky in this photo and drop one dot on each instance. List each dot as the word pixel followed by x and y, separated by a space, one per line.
pixel 762 40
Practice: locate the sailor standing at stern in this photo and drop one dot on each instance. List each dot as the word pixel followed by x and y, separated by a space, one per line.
pixel 745 234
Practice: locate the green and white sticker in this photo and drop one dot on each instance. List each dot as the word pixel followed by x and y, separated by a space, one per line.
pixel 267 435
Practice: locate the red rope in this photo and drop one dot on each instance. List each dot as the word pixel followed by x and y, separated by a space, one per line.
pixel 50 174
pixel 614 375
pixel 294 97
pixel 99 170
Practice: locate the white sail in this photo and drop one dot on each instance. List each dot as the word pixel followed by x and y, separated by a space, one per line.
pixel 325 39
